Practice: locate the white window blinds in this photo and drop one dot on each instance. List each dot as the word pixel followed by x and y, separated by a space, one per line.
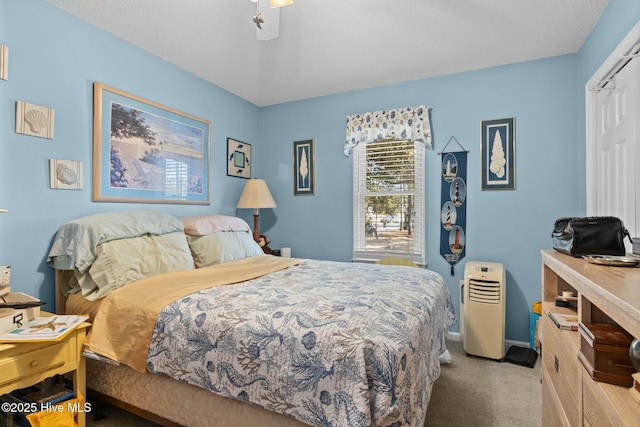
pixel 388 200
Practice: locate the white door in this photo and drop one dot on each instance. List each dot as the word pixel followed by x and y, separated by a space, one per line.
pixel 618 148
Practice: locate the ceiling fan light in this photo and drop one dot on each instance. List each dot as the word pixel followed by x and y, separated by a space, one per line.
pixel 280 3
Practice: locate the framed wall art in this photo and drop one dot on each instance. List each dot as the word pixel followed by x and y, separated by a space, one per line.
pixel 238 158
pixel 144 152
pixel 34 120
pixel 65 174
pixel 303 168
pixel 498 147
pixel 4 62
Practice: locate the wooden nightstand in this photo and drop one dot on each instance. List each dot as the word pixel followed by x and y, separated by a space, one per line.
pixel 26 364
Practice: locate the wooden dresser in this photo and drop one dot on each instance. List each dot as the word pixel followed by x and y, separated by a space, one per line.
pixel 605 295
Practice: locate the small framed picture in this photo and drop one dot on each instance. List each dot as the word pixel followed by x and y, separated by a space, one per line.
pixel 4 62
pixel 238 158
pixel 303 168
pixel 65 174
pixel 34 120
pixel 498 147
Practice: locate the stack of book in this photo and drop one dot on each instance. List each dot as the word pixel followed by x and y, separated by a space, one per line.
pixel 32 399
pixel 9 417
pixel 565 321
pixel 45 395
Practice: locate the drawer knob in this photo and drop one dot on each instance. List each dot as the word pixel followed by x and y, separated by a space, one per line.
pixel 634 354
pixel 34 363
pixel 555 363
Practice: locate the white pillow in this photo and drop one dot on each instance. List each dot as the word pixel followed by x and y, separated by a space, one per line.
pixel 206 224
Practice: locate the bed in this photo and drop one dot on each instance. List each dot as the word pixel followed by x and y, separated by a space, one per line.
pixel 192 324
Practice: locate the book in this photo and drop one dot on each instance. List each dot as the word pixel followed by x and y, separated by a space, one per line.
pixel 45 395
pixel 565 321
pixel 44 328
pixel 51 398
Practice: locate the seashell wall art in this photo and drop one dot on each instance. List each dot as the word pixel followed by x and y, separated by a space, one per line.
pixel 34 120
pixel 4 62
pixel 65 174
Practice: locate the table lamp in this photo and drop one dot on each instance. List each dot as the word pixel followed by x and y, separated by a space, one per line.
pixel 256 195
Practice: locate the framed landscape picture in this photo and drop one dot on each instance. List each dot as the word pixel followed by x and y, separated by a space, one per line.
pixel 303 168
pixel 498 147
pixel 144 152
pixel 238 158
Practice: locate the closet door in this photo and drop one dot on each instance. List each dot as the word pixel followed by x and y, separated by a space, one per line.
pixel 618 148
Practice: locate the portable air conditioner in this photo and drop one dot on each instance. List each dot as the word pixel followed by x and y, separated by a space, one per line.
pixel 484 309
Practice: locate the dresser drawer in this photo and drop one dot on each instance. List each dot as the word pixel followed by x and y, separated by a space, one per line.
pixel 597 410
pixel 552 414
pixel 35 362
pixel 560 358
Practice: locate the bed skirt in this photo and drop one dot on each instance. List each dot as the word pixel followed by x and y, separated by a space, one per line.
pixel 178 402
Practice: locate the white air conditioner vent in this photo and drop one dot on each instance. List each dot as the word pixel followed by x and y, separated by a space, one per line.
pixel 484 291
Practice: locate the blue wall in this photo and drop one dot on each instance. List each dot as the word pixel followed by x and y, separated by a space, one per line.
pixel 546 97
pixel 55 58
pixel 504 226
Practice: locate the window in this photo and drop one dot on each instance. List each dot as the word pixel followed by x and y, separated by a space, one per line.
pixel 176 179
pixel 388 200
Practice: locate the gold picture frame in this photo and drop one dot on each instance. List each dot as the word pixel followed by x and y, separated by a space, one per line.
pixel 145 152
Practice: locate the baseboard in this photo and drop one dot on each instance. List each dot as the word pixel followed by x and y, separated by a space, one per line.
pixel 455 336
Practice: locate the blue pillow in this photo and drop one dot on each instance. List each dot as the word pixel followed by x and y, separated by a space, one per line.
pixel 222 247
pixel 74 247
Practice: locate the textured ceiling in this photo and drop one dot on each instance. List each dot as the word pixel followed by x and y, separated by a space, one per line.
pixel 332 46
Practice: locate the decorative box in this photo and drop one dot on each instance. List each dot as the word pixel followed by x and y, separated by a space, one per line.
pixel 11 318
pixel 604 352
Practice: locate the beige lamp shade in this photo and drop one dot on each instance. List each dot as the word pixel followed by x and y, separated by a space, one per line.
pixel 277 3
pixel 256 195
pixel 280 3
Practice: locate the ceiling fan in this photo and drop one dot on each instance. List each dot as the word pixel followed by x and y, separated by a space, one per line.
pixel 267 18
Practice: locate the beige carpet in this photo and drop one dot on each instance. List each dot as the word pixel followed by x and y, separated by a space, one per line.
pixel 478 392
pixel 471 391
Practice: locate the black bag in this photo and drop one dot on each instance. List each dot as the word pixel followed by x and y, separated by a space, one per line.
pixel 598 235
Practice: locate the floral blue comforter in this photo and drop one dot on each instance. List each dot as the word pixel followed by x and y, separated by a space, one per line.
pixel 328 343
